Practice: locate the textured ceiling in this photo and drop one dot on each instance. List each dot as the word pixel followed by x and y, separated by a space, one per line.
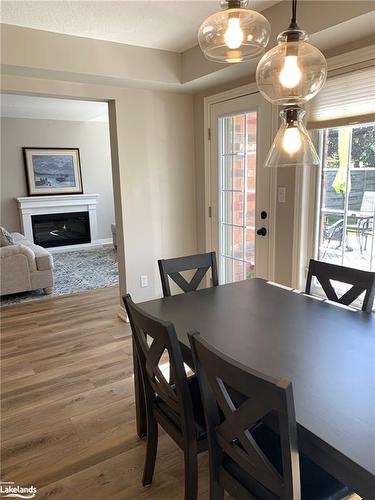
pixel 169 25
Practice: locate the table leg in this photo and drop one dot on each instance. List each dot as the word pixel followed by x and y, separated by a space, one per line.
pixel 140 404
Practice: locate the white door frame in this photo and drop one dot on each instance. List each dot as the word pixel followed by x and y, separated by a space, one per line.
pixel 208 102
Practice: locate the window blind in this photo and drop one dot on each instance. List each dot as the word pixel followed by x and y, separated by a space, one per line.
pixel 344 100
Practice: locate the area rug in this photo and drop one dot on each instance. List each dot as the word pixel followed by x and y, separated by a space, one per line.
pixel 75 272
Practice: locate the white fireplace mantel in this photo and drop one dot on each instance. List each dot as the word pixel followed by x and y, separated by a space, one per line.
pixel 56 204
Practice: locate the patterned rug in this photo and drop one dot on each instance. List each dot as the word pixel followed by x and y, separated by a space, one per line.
pixel 74 272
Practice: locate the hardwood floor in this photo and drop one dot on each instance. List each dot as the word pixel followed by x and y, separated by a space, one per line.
pixel 68 414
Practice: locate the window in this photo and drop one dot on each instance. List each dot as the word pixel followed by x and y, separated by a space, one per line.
pixel 345 223
pixel 237 164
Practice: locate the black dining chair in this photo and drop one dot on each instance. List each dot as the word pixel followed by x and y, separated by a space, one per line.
pixel 252 434
pixel 172 401
pixel 172 268
pixel 361 281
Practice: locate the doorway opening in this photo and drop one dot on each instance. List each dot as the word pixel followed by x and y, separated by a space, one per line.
pixel 57 196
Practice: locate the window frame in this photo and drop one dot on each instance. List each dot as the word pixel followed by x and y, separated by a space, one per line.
pixel 312 182
pixel 306 188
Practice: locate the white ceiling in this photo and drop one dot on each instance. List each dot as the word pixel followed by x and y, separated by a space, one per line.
pixel 170 25
pixel 22 106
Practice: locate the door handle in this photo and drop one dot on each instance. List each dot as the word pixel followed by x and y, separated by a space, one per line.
pixel 262 231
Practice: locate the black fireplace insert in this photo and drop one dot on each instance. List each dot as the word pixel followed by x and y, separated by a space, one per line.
pixel 54 230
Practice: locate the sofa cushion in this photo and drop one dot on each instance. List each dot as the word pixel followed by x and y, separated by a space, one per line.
pixel 6 238
pixel 43 258
pixel 8 253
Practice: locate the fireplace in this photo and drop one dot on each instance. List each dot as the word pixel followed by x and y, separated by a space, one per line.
pixel 40 215
pixel 55 230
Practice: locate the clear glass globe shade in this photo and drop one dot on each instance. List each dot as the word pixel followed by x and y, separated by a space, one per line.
pixel 292 146
pixel 234 35
pixel 291 73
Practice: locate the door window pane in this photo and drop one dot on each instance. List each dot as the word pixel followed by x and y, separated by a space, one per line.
pixel 250 254
pixel 233 172
pixel 359 242
pixel 331 237
pixel 232 269
pixel 362 188
pixel 239 124
pixel 250 210
pixel 232 241
pixel 232 207
pixel 333 197
pixel 347 201
pixel 363 146
pixel 227 135
pixel 237 155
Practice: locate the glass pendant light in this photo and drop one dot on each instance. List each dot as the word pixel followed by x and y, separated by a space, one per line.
pixel 294 71
pixel 292 146
pixel 235 34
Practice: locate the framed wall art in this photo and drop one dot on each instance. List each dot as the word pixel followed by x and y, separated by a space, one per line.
pixel 52 171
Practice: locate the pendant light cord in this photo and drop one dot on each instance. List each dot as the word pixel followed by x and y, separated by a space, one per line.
pixel 294 11
pixel 293 21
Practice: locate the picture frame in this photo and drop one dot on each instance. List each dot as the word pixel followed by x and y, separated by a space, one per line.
pixel 52 171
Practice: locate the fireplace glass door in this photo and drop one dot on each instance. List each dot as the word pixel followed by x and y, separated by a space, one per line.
pixel 54 230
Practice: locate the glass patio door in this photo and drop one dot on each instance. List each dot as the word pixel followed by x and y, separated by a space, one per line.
pixel 240 138
pixel 345 222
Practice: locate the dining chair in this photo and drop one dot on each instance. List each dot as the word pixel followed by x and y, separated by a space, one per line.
pixel 361 281
pixel 172 268
pixel 173 401
pixel 252 434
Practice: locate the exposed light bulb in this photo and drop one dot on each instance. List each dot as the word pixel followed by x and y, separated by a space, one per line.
pixel 234 35
pixel 290 75
pixel 292 140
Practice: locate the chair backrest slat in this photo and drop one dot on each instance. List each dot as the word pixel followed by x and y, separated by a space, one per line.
pixel 361 281
pixel 236 402
pixel 175 391
pixel 172 268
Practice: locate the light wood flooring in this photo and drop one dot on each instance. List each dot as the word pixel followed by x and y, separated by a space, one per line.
pixel 68 423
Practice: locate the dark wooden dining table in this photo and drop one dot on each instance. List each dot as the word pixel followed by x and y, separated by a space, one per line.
pixel 327 352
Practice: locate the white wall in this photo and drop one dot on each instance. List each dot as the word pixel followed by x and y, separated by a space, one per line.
pixel 92 139
pixel 156 136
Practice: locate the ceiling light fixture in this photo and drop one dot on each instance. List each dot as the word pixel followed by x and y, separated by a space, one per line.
pixel 294 71
pixel 235 34
pixel 292 146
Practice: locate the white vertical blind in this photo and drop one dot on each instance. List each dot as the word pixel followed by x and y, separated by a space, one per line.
pixel 345 99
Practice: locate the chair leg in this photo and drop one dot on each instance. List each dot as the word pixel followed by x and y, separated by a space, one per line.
pixel 216 491
pixel 191 474
pixel 151 450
